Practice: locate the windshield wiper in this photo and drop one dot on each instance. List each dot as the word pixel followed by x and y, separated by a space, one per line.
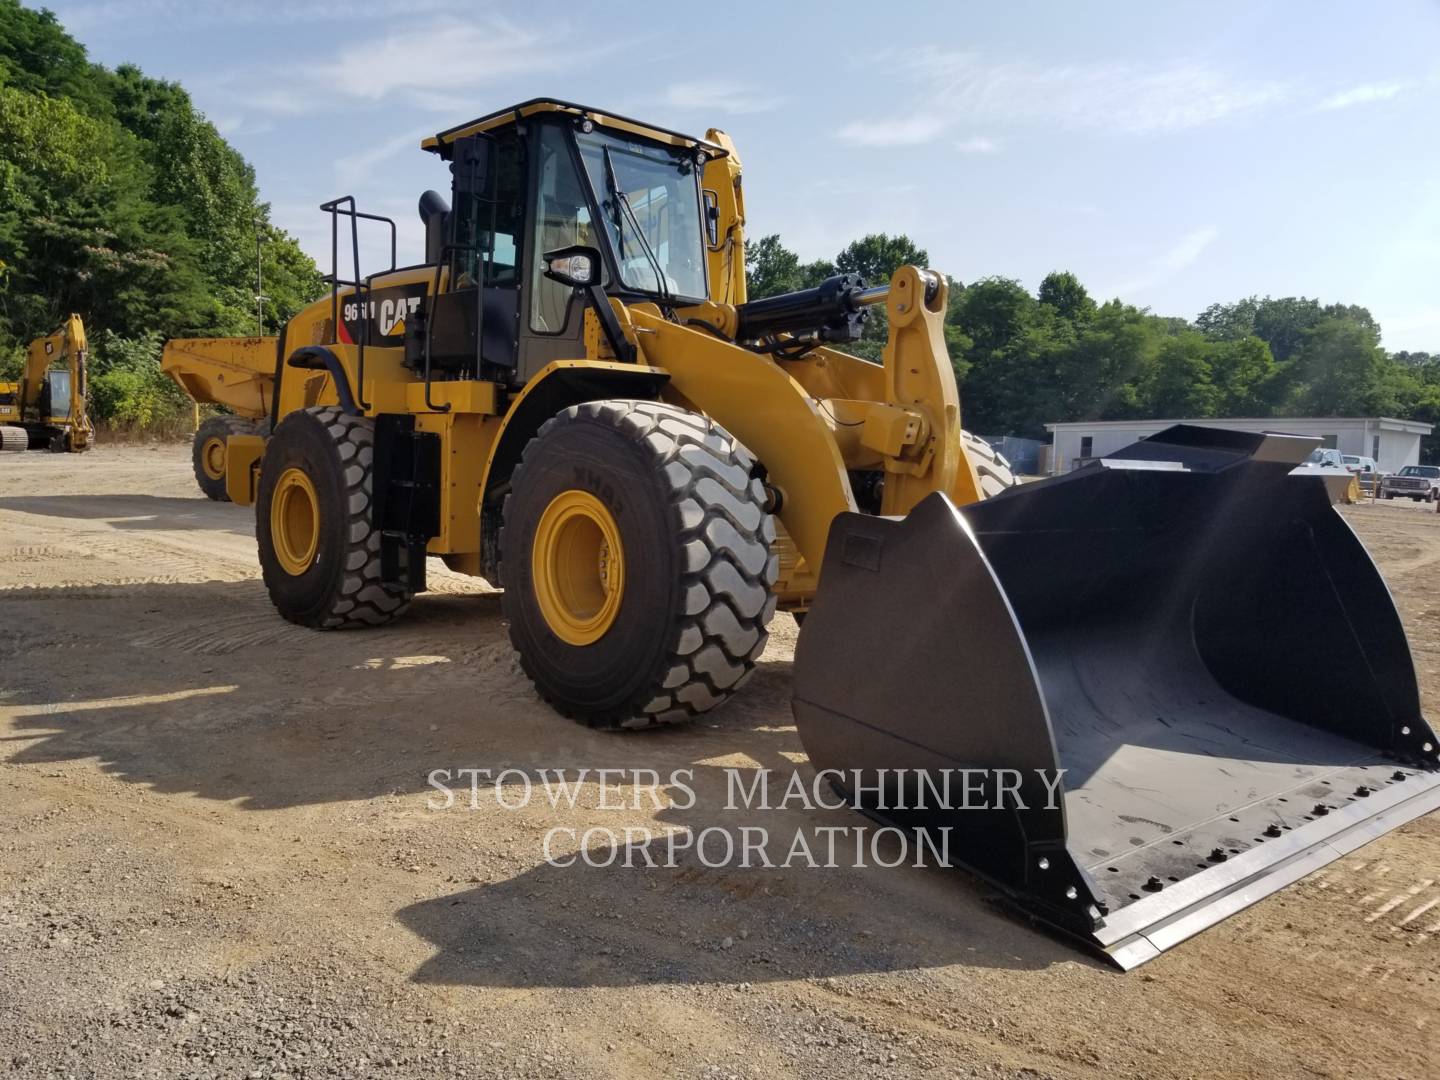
pixel 622 201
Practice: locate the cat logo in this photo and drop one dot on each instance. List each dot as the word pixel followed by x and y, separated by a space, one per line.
pixel 383 313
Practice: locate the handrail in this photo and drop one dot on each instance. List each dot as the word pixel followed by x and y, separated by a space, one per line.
pixel 337 208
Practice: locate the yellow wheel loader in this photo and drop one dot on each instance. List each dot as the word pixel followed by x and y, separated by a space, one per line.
pixel 45 410
pixel 1104 689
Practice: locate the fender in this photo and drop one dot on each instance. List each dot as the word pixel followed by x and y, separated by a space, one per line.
pixel 556 386
pixel 319 358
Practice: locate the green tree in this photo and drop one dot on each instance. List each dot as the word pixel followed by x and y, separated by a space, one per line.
pixel 1340 370
pixel 1229 322
pixel 1062 291
pixel 120 201
pixel 876 257
pixel 1241 370
pixel 1181 386
pixel 1282 324
pixel 772 269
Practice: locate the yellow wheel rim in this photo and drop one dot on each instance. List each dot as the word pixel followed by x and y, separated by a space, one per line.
pixel 578 567
pixel 212 458
pixel 295 522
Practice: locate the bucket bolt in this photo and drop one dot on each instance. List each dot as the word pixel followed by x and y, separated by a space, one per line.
pixel 1273 830
pixel 1362 791
pixel 1320 809
pixel 1397 775
pixel 1218 855
pixel 1154 885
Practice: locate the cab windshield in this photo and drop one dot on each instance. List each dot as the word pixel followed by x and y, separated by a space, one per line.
pixel 649 197
pixel 1430 472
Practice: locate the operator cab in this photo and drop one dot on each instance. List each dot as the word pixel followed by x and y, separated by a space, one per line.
pixel 614 198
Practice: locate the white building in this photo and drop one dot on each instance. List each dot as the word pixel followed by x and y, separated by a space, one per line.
pixel 1392 443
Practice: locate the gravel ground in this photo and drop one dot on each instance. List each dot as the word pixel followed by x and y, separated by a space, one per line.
pixel 220 857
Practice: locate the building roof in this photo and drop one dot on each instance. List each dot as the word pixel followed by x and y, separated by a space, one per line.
pixel 440 142
pixel 1257 423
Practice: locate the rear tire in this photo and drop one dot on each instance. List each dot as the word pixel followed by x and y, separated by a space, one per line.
pixel 207 453
pixel 319 548
pixel 994 471
pixel 677 612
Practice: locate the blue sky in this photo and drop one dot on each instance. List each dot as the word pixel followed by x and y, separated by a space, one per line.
pixel 1172 154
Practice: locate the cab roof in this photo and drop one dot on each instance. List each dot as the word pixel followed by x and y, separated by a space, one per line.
pixel 440 143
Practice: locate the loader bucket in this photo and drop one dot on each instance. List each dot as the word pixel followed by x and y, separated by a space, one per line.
pixel 1184 643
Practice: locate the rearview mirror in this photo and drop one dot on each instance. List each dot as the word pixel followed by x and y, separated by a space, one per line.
pixel 712 217
pixel 577 266
pixel 471 166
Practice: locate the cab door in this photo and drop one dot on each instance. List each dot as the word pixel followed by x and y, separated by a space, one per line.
pixel 475 327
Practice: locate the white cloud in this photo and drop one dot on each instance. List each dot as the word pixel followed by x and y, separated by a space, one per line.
pixel 977 144
pixel 1364 94
pixel 1180 256
pixel 1189 249
pixel 233 126
pixel 910 131
pixel 717 97
pixel 444 55
pixel 1123 98
pixel 104 13
pixel 354 169
pixel 432 66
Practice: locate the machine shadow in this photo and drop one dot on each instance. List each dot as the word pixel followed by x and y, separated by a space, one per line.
pixel 244 708
pixel 138 511
pixel 606 926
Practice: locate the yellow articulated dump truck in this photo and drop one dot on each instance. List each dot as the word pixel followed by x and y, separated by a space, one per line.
pixel 46 409
pixel 1103 688
pixel 237 373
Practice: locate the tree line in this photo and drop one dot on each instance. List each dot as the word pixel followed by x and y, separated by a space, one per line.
pixel 1027 359
pixel 120 201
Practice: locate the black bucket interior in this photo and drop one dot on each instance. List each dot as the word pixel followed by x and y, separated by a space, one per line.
pixel 1217 667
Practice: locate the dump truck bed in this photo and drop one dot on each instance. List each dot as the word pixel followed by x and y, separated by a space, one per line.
pixel 238 373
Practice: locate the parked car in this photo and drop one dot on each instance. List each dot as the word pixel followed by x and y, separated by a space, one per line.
pixel 1418 482
pixel 1326 462
pixel 1366 469
pixel 1323 460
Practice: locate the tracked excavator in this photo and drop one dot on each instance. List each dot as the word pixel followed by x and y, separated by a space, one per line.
pixel 1103 687
pixel 45 410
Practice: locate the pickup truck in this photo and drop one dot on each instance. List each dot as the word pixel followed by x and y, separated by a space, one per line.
pixel 1418 482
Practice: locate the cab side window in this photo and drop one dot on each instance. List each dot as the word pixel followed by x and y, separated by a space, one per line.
pixel 562 218
pixel 488 222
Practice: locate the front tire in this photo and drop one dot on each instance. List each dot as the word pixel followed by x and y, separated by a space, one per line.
pixel 636 562
pixel 993 470
pixel 319 547
pixel 207 453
